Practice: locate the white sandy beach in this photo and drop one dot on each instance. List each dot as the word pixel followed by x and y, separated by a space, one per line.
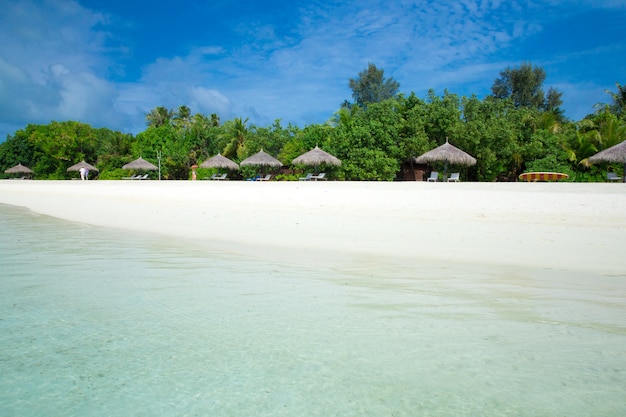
pixel 543 225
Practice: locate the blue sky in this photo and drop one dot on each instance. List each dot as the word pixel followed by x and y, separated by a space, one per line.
pixel 109 62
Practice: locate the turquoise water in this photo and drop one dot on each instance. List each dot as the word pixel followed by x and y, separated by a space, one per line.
pixel 98 322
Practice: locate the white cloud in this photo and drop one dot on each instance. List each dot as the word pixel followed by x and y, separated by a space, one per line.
pixel 208 101
pixel 58 57
pixel 50 63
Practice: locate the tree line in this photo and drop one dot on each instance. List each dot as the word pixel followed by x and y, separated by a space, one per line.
pixel 519 127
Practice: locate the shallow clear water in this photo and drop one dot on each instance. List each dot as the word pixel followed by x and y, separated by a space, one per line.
pixel 97 322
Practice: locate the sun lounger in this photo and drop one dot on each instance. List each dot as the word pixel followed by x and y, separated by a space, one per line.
pixel 132 177
pixel 265 178
pixel 221 177
pixel 307 178
pixel 321 176
pixel 454 177
pixel 434 177
pixel 612 176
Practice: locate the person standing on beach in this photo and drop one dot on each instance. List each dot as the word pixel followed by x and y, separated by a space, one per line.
pixel 86 174
pixel 82 171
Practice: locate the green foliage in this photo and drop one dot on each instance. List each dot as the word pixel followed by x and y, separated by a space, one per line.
pixel 369 165
pixel 287 177
pixel 549 163
pixel 372 87
pixel 17 149
pixel 113 174
pixel 272 139
pixel 524 85
pixel 159 116
pixel 518 129
pixel 617 106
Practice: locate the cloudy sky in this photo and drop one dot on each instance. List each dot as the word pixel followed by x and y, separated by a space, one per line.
pixel 109 62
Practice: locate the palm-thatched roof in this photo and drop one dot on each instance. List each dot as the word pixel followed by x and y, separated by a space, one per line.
pixel 19 169
pixel 614 154
pixel 219 161
pixel 140 164
pixel 316 157
pixel 82 164
pixel 446 153
pixel 261 159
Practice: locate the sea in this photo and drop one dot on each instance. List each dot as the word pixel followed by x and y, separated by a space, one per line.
pixel 102 322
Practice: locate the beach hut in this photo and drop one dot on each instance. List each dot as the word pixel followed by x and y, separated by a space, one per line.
pixel 615 154
pixel 316 157
pixel 448 154
pixel 19 169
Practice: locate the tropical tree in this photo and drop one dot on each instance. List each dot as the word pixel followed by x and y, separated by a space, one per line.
pixel 159 116
pixel 17 149
pixel 181 118
pixel 343 116
pixel 617 105
pixel 580 146
pixel 524 85
pixel 376 142
pixel 372 87
pixel 272 138
pixel 202 137
pixel 235 135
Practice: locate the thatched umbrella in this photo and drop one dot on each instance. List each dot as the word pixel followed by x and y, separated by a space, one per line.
pixel 261 159
pixel 615 154
pixel 219 161
pixel 140 164
pixel 316 157
pixel 446 153
pixel 82 165
pixel 19 169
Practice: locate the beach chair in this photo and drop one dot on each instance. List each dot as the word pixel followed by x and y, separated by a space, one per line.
pixel 434 177
pixel 221 177
pixel 321 176
pixel 142 177
pixel 132 177
pixel 307 178
pixel 454 177
pixel 612 177
pixel 265 178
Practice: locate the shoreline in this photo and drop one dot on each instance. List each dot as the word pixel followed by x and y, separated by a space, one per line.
pixel 564 226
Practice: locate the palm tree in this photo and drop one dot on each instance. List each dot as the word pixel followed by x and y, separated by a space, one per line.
pixel 618 102
pixel 597 133
pixel 343 116
pixel 236 132
pixel 581 147
pixel 182 117
pixel 215 120
pixel 618 106
pixel 159 116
